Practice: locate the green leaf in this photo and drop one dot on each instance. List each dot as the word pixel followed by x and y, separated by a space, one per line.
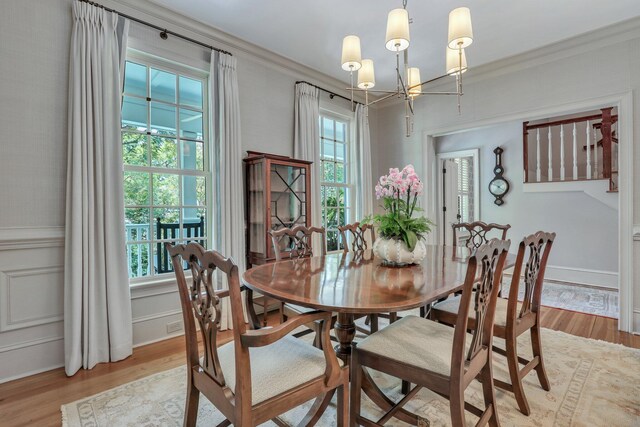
pixel 411 239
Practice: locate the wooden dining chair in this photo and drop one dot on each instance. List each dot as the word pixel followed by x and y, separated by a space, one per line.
pixel 478 231
pixel 435 356
pixel 297 242
pixel 262 373
pixel 514 318
pixel 356 234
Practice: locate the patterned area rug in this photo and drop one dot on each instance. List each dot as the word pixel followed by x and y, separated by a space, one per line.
pixel 584 299
pixel 593 383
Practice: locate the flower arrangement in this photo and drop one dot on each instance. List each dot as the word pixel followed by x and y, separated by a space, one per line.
pixel 399 191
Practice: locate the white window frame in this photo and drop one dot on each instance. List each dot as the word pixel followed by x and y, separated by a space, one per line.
pixel 349 167
pixel 152 61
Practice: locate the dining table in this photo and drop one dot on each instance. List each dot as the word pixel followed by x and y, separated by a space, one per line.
pixel 357 283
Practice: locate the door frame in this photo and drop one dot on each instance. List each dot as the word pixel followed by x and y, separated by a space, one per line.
pixel 475 154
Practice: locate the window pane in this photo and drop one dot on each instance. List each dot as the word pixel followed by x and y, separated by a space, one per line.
pixel 328 171
pixel 161 258
pixel 137 224
pixel 332 218
pixel 166 223
pixel 163 152
pixel 163 86
pixel 192 155
pixel 136 188
pixel 327 128
pixel 134 114
pixel 340 131
pixel 165 190
pixel 190 92
pixel 328 150
pixel 332 240
pixel 135 79
pixel 330 195
pixel 194 227
pixel 340 176
pixel 134 149
pixel 191 124
pixel 138 259
pixel 163 119
pixel 194 190
pixel 340 152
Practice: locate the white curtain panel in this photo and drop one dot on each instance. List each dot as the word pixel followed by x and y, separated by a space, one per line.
pixel 230 197
pixel 97 301
pixel 363 158
pixel 306 146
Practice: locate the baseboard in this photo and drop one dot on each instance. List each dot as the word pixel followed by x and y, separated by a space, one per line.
pixel 636 322
pixel 19 361
pixel 583 276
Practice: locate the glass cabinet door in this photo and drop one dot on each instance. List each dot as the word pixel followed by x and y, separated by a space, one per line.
pixel 256 214
pixel 288 198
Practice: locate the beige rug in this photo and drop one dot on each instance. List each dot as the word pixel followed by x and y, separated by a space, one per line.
pixel 593 383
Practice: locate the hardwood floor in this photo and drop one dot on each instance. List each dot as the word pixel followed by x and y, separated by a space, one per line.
pixel 36 400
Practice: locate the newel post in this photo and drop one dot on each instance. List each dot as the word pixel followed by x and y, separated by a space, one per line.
pixel 606 142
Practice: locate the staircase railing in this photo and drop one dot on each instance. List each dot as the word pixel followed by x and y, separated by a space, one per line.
pixel 590 140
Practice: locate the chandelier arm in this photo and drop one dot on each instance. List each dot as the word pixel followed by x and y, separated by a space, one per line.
pixel 441 93
pixel 356 89
pixel 382 99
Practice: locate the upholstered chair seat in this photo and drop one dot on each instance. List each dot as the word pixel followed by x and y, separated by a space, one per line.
pixel 275 368
pixel 415 341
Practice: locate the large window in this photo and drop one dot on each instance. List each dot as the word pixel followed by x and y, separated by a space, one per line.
pixel 336 184
pixel 166 161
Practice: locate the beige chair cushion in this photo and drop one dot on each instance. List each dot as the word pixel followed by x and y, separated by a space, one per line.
pixel 451 305
pixel 276 368
pixel 415 341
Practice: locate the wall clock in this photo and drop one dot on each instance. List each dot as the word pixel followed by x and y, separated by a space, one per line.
pixel 498 186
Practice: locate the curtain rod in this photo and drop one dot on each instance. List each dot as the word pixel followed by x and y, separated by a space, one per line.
pixel 163 31
pixel 331 94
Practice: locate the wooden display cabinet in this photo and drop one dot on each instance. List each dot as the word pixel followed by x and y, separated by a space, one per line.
pixel 277 196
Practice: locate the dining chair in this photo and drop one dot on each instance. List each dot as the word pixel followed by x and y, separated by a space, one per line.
pixel 435 356
pixel 514 318
pixel 356 234
pixel 478 231
pixel 261 373
pixel 292 243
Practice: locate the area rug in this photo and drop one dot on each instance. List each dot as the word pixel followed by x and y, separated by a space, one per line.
pixel 569 296
pixel 593 383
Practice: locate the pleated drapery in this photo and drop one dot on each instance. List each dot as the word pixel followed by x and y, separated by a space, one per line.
pixel 230 190
pixel 97 301
pixel 363 159
pixel 306 146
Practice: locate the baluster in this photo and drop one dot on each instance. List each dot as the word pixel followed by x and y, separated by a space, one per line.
pixel 550 156
pixel 538 155
pixel 588 150
pixel 561 152
pixel 139 251
pixel 595 154
pixel 575 152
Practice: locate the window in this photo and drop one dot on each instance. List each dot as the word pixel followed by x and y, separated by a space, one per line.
pixel 165 153
pixel 465 189
pixel 335 184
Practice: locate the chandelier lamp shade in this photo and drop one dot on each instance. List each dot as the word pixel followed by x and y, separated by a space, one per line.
pixel 408 82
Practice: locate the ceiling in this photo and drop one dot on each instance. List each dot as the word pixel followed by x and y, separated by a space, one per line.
pixel 311 32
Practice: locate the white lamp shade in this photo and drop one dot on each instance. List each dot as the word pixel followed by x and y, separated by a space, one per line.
pixel 460 31
pixel 397 30
pixel 351 57
pixel 453 61
pixel 366 77
pixel 413 80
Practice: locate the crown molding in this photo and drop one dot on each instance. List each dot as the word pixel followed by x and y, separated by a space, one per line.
pixel 163 17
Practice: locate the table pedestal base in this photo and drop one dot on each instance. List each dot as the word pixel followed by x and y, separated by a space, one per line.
pixel 345 328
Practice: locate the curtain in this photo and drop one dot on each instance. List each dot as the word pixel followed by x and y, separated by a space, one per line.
pixel 363 156
pixel 230 190
pixel 97 302
pixel 306 140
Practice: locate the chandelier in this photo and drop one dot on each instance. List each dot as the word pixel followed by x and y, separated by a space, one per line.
pixel 408 83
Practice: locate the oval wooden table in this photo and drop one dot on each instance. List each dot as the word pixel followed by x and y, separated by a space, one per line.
pixel 355 283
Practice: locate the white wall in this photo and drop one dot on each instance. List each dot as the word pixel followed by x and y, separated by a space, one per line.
pixel 527 87
pixel 586 246
pixel 34 51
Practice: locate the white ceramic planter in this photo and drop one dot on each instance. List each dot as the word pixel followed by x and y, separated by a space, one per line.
pixel 396 253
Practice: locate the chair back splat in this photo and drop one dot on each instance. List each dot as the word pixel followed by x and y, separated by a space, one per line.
pixel 296 242
pixel 478 231
pixel 358 236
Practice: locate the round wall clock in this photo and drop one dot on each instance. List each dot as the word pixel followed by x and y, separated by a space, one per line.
pixel 498 186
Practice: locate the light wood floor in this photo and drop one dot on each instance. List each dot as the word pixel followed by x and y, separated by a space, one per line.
pixel 36 400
